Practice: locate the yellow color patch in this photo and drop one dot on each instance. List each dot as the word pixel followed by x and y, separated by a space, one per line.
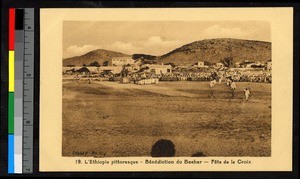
pixel 11 71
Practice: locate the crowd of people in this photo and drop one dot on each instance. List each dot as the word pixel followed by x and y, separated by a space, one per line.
pixel 230 82
pixel 235 76
pixel 199 76
pixel 214 77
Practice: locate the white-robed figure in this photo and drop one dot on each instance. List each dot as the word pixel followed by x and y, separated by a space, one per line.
pixel 233 86
pixel 220 79
pixel 247 93
pixel 212 83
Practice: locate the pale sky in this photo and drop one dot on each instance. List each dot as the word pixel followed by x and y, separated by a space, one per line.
pixel 153 37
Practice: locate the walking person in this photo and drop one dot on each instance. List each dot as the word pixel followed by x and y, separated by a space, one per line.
pixel 247 93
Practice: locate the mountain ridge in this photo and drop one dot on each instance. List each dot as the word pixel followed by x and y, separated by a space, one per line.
pixel 209 50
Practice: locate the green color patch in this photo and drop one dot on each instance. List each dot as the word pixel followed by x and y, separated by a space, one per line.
pixel 11 113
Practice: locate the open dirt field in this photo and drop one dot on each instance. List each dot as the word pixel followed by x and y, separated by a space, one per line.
pixel 108 119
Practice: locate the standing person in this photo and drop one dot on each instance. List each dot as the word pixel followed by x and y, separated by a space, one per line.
pixel 76 78
pixel 247 93
pixel 143 76
pixel 228 82
pixel 212 83
pixel 232 87
pixel 220 79
pixel 90 80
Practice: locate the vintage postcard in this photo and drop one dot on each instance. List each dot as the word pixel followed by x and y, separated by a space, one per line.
pixel 190 89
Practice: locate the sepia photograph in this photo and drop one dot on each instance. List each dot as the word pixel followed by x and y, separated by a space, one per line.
pixel 166 89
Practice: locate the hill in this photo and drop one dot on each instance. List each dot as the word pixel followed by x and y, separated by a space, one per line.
pixel 211 50
pixel 99 56
pixel 215 50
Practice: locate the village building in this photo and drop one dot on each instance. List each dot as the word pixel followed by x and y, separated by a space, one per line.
pixel 120 61
pixel 247 61
pixel 249 65
pixel 200 64
pixel 70 70
pixel 258 63
pixel 112 69
pixel 159 69
pixel 98 70
pixel 182 66
pixel 89 70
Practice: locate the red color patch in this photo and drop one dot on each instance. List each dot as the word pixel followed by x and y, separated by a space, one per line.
pixel 11 29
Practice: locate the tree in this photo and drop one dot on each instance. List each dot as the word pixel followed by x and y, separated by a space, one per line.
pixel 95 63
pixel 257 66
pixel 228 62
pixel 105 63
pixel 144 69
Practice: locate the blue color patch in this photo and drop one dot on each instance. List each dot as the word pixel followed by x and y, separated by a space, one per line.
pixel 11 163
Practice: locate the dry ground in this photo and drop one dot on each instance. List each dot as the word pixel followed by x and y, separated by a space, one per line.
pixel 108 119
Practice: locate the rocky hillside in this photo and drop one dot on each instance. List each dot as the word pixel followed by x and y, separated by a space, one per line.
pixel 215 50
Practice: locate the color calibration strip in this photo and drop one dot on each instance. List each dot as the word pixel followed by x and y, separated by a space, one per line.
pixel 20 115
pixel 11 86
